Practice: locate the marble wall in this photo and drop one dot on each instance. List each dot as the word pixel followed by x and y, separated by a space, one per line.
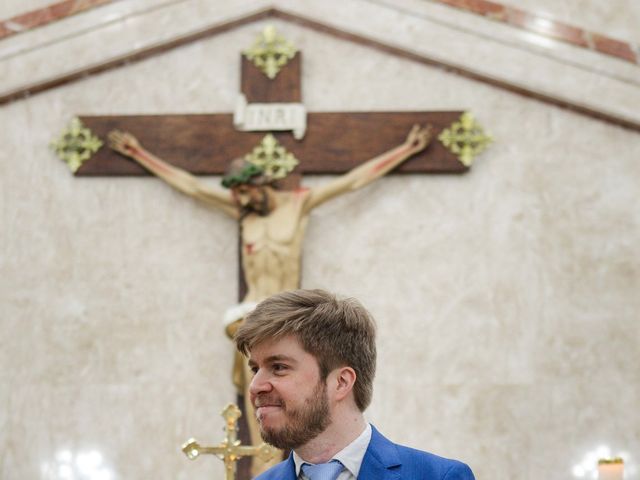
pixel 12 8
pixel 507 298
pixel 617 18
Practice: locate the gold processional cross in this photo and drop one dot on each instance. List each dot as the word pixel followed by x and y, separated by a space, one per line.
pixel 230 450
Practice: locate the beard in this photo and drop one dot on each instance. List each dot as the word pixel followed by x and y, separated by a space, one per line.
pixel 303 423
pixel 259 206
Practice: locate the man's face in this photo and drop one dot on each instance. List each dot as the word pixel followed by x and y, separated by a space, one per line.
pixel 290 399
pixel 250 196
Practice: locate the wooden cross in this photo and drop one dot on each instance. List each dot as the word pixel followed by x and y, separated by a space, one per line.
pixel 230 450
pixel 335 142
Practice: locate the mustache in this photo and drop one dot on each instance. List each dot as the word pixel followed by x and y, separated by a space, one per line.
pixel 268 400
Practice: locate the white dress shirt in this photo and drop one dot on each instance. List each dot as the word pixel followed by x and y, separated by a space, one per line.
pixel 350 456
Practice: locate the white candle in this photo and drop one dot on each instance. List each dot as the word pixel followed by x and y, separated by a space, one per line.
pixel 610 469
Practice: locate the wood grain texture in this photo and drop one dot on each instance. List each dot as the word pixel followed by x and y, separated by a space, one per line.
pixel 334 143
pixel 285 87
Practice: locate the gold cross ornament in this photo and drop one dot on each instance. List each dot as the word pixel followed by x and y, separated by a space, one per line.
pixel 270 52
pixel 274 160
pixel 465 138
pixel 230 450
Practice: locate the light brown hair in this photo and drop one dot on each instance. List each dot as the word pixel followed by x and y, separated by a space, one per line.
pixel 337 332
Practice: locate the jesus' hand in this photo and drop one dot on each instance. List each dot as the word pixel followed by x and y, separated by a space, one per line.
pixel 123 142
pixel 419 137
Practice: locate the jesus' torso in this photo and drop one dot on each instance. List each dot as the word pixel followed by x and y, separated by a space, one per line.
pixel 272 245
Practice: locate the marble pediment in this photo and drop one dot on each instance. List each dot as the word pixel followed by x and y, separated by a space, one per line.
pixel 119 34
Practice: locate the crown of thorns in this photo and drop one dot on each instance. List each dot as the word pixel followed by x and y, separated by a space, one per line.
pixel 242 177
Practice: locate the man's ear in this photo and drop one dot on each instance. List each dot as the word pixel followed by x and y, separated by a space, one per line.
pixel 345 380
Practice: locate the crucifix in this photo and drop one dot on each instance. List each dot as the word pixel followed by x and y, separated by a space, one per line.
pixel 262 192
pixel 230 450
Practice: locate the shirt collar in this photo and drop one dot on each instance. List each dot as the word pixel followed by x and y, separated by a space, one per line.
pixel 350 456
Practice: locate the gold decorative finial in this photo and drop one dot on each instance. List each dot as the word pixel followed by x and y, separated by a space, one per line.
pixel 230 450
pixel 270 52
pixel 465 138
pixel 274 160
pixel 76 144
pixel 611 461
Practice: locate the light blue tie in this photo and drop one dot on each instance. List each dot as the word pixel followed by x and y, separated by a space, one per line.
pixel 323 471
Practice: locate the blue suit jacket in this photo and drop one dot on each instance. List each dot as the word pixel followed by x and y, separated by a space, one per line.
pixel 385 460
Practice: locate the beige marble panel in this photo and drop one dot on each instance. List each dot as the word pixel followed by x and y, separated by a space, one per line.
pixel 506 298
pixel 426 35
pixel 120 28
pixel 504 36
pixel 618 18
pixel 447 34
pixel 11 8
pixel 135 431
pixel 73 28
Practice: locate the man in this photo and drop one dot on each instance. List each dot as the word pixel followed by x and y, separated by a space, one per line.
pixel 272 221
pixel 313 358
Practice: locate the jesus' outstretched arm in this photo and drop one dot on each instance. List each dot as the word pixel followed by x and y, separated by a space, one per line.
pixel 371 170
pixel 181 180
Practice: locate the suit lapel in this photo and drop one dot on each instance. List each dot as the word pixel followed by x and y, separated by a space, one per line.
pixel 283 471
pixel 290 472
pixel 380 459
